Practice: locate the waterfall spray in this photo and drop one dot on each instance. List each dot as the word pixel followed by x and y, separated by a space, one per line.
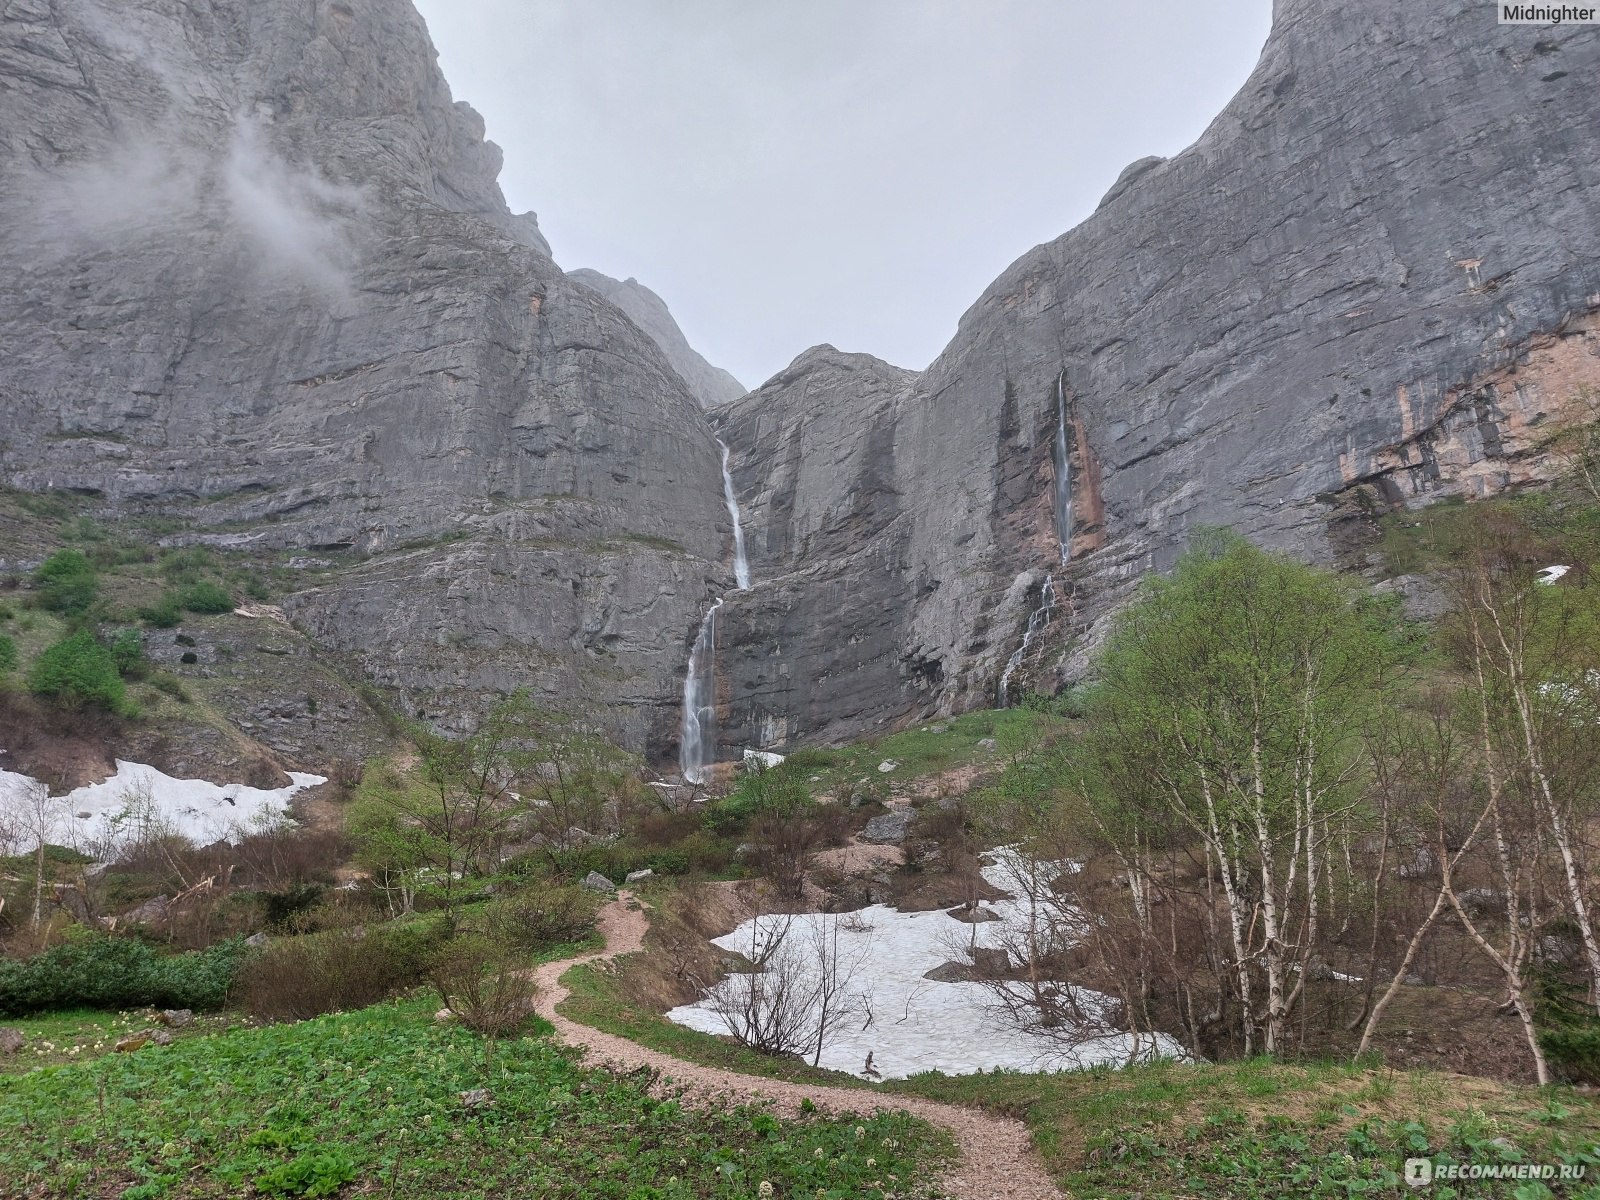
pixel 697 739
pixel 741 564
pixel 1063 465
pixel 1036 625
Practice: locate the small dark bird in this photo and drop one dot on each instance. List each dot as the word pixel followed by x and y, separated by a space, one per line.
pixel 870 1071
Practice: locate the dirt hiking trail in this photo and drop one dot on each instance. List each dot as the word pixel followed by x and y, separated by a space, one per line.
pixel 997 1160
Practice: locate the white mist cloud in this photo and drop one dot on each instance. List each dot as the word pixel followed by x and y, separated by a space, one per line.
pixel 294 217
pixel 135 189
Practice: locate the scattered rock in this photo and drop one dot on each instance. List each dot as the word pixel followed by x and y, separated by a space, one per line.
pixel 888 829
pixel 950 972
pixel 477 1098
pixel 11 1041
pixel 302 563
pixel 936 729
pixel 444 1015
pixel 149 912
pixel 256 939
pixel 160 1037
pixel 886 766
pixel 597 882
pixel 1482 899
pixel 974 916
pixel 175 1018
pixel 990 962
pixel 988 744
pixel 636 876
pixel 1319 971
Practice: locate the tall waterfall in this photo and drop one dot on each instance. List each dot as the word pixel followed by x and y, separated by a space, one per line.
pixel 697 742
pixel 1063 465
pixel 741 564
pixel 1036 624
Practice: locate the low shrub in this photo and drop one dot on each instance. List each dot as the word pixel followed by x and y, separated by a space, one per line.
pixel 127 651
pixel 171 685
pixel 539 920
pixel 165 613
pixel 206 597
pixel 97 970
pixel 478 984
pixel 8 655
pixel 66 583
pixel 79 671
pixel 297 978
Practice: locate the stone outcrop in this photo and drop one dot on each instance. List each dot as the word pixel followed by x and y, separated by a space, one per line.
pixel 711 385
pixel 261 279
pixel 1378 269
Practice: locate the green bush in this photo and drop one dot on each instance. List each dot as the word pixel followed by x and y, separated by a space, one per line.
pixel 206 597
pixel 127 651
pixel 165 613
pixel 1569 1032
pixel 97 970
pixel 8 655
pixel 66 583
pixel 77 671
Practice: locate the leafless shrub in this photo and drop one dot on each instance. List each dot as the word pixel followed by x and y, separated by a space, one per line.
pixel 802 988
pixel 478 984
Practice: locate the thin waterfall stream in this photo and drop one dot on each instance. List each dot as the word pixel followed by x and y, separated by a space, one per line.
pixel 1061 456
pixel 1063 464
pixel 697 740
pixel 1036 625
pixel 741 564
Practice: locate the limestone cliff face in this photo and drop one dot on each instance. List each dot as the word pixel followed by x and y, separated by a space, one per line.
pixel 260 278
pixel 711 385
pixel 1378 269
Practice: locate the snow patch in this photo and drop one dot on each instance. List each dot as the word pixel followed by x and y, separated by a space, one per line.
pixel 1553 574
pixel 917 1024
pixel 107 815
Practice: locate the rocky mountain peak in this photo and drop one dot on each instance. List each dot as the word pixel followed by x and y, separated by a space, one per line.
pixel 711 385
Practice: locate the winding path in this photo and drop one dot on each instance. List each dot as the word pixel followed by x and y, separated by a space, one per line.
pixel 997 1160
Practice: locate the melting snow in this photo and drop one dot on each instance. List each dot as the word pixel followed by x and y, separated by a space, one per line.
pixel 1552 574
pixel 103 815
pixel 917 1024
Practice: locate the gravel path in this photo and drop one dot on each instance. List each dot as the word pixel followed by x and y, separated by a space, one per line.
pixel 997 1160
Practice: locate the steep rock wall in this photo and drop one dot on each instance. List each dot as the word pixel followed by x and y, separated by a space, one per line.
pixel 261 279
pixel 1361 272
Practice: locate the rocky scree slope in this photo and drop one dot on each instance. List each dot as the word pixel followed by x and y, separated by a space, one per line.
pixel 1374 281
pixel 261 278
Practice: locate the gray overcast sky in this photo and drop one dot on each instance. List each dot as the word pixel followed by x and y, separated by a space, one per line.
pixel 789 172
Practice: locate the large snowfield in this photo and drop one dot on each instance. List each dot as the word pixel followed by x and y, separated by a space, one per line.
pixel 101 817
pixel 915 1023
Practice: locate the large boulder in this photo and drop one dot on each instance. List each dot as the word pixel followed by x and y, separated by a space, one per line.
pixel 890 828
